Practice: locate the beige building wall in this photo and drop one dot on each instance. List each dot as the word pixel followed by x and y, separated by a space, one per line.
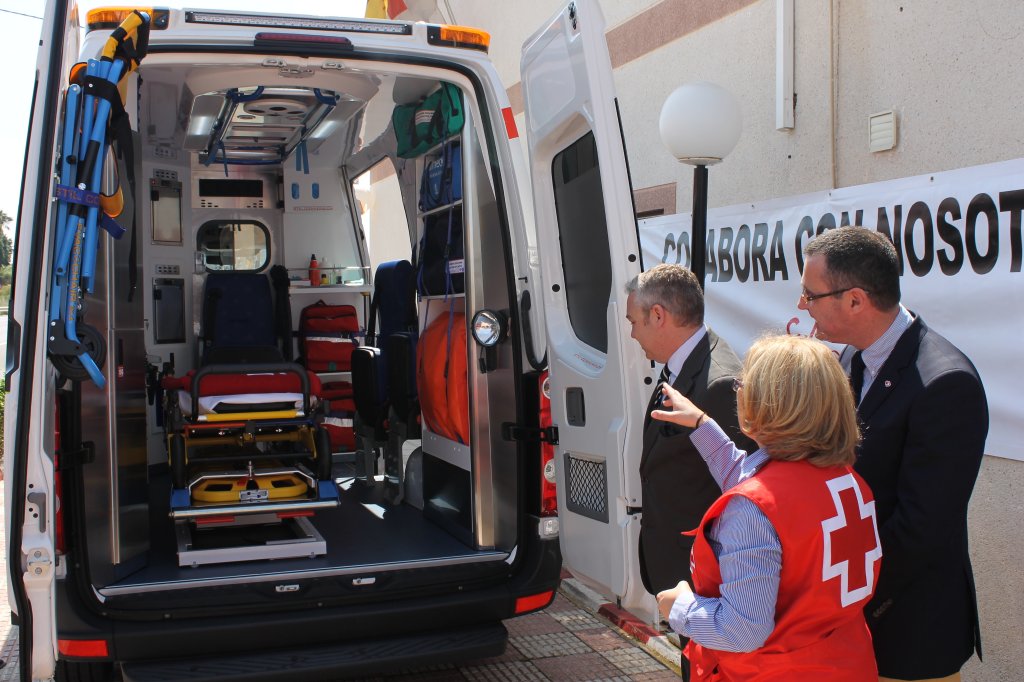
pixel 953 74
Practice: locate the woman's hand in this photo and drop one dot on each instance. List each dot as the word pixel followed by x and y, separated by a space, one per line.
pixel 667 598
pixel 678 409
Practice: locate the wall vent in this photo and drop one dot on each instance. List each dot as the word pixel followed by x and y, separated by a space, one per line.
pixel 882 131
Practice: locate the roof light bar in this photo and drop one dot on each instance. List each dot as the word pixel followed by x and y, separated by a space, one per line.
pixel 111 17
pixel 459 36
pixel 348 25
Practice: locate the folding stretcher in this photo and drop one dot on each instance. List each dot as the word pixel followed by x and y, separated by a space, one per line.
pixel 245 440
pixel 88 195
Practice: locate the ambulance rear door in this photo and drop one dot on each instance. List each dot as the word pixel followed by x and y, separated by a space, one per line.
pixel 31 502
pixel 588 249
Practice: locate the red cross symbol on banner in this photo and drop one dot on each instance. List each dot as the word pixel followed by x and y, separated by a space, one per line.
pixel 850 551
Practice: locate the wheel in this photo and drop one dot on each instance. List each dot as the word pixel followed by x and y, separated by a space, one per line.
pixel 95 346
pixel 323 454
pixel 84 672
pixel 177 455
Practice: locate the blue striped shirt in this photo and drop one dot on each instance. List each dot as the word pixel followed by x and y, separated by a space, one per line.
pixel 875 355
pixel 678 359
pixel 749 556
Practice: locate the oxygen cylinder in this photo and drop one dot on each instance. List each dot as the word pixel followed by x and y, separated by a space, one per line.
pixel 314 271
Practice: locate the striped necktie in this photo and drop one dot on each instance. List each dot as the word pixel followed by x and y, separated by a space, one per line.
pixel 656 394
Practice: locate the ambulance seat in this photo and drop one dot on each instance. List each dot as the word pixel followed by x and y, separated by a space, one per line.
pixel 392 314
pixel 238 320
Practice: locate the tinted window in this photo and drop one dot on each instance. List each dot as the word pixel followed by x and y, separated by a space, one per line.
pixel 583 239
pixel 234 245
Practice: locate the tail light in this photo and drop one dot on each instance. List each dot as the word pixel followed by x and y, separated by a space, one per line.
pixel 83 648
pixel 548 490
pixel 534 602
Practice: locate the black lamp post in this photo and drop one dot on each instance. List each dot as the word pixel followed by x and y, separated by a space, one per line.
pixel 700 124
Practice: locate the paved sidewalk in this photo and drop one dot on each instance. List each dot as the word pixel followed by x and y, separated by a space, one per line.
pixel 664 647
pixel 8 632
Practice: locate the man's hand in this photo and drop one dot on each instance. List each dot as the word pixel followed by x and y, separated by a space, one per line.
pixel 667 598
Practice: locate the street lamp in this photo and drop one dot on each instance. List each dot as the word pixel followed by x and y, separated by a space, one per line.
pixel 700 124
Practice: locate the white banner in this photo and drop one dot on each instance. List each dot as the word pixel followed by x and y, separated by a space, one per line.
pixel 958 234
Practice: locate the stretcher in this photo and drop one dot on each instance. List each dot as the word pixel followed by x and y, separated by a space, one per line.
pixel 88 194
pixel 246 446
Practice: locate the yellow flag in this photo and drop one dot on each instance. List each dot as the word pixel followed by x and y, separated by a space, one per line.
pixel 376 9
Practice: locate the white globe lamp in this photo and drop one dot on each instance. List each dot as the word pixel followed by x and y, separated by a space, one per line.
pixel 700 124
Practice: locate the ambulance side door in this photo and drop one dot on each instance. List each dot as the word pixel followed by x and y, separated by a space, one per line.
pixel 588 250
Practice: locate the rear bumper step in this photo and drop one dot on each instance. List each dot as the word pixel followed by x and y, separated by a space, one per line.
pixel 356 657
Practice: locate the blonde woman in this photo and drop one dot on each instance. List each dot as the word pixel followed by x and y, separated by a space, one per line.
pixel 784 561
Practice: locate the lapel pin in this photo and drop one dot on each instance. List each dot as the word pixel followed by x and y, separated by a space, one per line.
pixel 888 384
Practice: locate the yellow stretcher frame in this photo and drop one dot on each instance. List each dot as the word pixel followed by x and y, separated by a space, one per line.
pixel 213 417
pixel 220 490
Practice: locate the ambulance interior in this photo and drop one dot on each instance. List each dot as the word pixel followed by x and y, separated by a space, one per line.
pixel 245 162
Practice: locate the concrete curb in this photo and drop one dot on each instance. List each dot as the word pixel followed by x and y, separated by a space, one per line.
pixel 663 647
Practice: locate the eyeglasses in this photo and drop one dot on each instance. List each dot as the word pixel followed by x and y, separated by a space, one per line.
pixel 810 298
pixel 737 384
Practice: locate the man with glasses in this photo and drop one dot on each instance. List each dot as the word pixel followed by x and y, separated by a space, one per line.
pixel 665 309
pixel 925 419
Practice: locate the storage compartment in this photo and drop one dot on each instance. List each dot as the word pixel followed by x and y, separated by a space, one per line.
pixel 447 487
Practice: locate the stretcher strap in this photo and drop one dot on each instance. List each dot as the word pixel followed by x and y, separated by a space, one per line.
pixel 83 197
pixel 104 89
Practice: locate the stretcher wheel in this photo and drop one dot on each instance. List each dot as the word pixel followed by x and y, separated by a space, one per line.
pixel 323 454
pixel 177 447
pixel 70 367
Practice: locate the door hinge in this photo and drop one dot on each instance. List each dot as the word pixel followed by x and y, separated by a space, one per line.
pixel 38 565
pixel 76 458
pixel 510 431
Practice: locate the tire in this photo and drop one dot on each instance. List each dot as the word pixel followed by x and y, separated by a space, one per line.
pixel 179 478
pixel 324 462
pixel 84 672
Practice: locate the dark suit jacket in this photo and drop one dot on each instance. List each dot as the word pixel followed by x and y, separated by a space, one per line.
pixel 676 484
pixel 925 420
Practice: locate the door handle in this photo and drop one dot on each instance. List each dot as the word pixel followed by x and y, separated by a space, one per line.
pixel 575 406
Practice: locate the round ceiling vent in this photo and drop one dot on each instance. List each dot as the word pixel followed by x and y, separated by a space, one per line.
pixel 275 107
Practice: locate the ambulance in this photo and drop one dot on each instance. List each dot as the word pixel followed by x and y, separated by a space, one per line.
pixel 317 356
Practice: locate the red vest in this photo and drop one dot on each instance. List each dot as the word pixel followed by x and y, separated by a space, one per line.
pixel 825 520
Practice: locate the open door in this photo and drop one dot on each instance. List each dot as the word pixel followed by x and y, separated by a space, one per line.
pixel 29 424
pixel 588 250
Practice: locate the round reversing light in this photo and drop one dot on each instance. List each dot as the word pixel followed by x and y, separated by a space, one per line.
pixel 549 471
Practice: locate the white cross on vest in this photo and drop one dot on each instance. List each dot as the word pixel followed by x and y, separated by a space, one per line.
pixel 856 581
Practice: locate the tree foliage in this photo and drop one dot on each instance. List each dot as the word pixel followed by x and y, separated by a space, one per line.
pixel 5 241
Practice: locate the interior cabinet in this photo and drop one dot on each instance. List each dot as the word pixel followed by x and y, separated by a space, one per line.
pixel 441 277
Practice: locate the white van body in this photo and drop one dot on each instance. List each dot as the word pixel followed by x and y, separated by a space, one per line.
pixel 110 569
